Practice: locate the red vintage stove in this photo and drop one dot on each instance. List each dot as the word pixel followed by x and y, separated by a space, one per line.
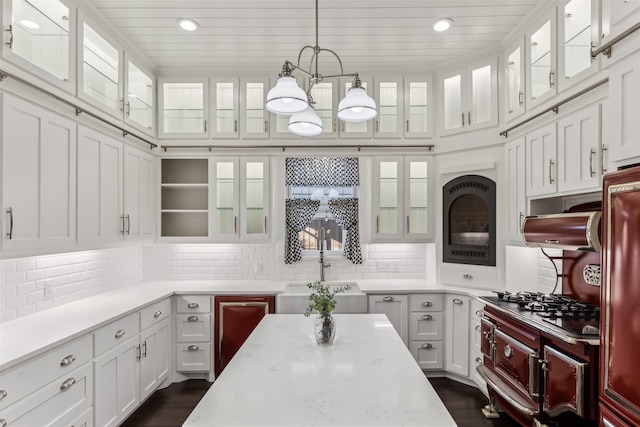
pixel 541 351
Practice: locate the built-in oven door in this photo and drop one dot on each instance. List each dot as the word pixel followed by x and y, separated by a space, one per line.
pixel 517 364
pixel 564 383
pixel 487 345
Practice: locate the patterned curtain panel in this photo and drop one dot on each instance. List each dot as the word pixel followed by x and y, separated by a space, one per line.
pixel 345 211
pixel 310 171
pixel 300 213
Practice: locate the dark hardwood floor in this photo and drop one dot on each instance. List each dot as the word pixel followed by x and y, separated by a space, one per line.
pixel 171 406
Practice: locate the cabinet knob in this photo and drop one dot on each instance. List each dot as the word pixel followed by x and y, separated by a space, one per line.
pixel 193 348
pixel 193 305
pixel 3 423
pixel 68 383
pixel 427 304
pixel 457 301
pixel 388 299
pixel 427 317
pixel 427 346
pixel 68 360
pixel 157 313
pixel 192 318
pixel 120 333
pixel 467 277
pixel 3 394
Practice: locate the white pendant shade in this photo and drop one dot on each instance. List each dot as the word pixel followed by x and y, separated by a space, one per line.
pixel 305 123
pixel 286 97
pixel 357 106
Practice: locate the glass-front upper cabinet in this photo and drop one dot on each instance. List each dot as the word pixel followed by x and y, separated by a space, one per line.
pixel 37 37
pixel 325 97
pixel 578 30
pixel 514 73
pixel 254 119
pixel 416 108
pixel 400 198
pixel 225 107
pixel 183 108
pixel 140 97
pixel 470 97
pixel 388 96
pixel 541 61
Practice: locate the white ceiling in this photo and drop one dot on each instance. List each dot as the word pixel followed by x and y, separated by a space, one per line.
pixel 254 37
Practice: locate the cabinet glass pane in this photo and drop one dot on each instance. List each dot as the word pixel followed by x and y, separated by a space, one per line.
pixel 354 127
pixel 225 122
pixel 577 37
pixel 322 94
pixel 140 107
pixel 417 107
pixel 541 61
pixel 224 198
pixel 514 88
pixel 417 197
pixel 255 197
pixel 388 108
pixel 453 102
pixel 183 107
pixel 255 120
pixel 480 95
pixel 41 35
pixel 100 69
pixel 388 221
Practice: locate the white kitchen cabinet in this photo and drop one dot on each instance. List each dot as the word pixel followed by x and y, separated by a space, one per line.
pixel 426 321
pixel 400 198
pixel 475 340
pixel 515 188
pixel 396 308
pixel 457 308
pixel 139 95
pixel 418 98
pixel 48 53
pixel 225 107
pixel 541 167
pixel 541 58
pixel 470 98
pixel 241 202
pixel 115 190
pixel 254 117
pixel 39 177
pixel 389 94
pixel 183 108
pixel 515 79
pixel 325 97
pixel 155 355
pixel 193 334
pixel 624 87
pixel 618 16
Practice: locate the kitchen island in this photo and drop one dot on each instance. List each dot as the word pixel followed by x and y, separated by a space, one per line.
pixel 281 377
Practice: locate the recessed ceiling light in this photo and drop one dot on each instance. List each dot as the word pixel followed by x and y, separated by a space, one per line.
pixel 30 24
pixel 442 24
pixel 188 24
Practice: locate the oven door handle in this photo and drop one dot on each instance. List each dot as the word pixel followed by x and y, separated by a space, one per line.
pixel 534 369
pixel 504 391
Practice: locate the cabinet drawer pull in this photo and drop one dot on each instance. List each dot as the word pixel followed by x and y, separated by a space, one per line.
pixel 427 304
pixel 193 348
pixel 68 383
pixel 427 346
pixel 192 318
pixel 3 423
pixel 157 314
pixel 68 360
pixel 591 154
pixel 193 305
pixel 3 394
pixel 477 327
pixel 551 163
pixel 467 277
pixel 388 299
pixel 478 361
pixel 427 317
pixel 457 301
pixel 120 333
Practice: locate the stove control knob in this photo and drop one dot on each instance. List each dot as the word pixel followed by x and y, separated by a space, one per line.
pixel 507 351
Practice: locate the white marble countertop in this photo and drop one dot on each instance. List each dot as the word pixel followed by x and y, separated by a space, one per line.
pixel 28 336
pixel 281 377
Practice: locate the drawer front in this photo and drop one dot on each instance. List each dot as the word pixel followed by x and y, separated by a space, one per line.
pixel 193 304
pixel 32 375
pixel 155 313
pixel 193 357
pixel 469 276
pixel 58 403
pixel 428 354
pixel 193 327
pixel 425 302
pixel 116 333
pixel 425 326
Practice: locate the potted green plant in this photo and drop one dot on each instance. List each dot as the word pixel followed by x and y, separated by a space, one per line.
pixel 322 300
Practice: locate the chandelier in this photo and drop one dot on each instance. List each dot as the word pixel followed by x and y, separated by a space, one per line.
pixel 287 98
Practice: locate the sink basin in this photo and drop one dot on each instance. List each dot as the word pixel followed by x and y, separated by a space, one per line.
pixel 295 298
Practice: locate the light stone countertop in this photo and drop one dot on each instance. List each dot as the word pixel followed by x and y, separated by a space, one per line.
pixel 31 335
pixel 281 377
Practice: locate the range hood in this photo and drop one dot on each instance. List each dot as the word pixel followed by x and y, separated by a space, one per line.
pixel 570 231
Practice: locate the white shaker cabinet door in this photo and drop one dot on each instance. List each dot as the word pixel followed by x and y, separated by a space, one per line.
pixel 395 307
pixel 39 176
pixel 138 194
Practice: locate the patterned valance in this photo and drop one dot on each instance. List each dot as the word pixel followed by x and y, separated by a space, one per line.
pixel 321 171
